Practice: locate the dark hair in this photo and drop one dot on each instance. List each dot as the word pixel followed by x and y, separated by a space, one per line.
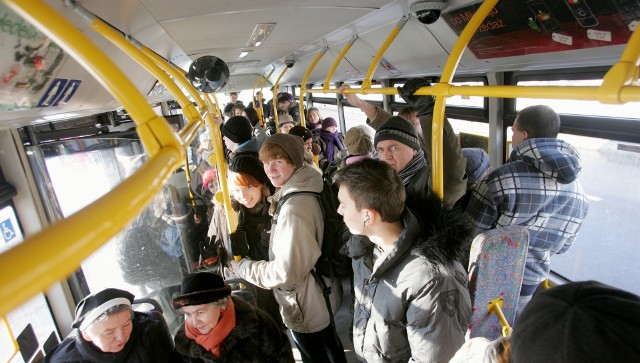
pixel 373 184
pixel 252 115
pixel 539 121
pixel 284 98
pixel 301 131
pixel 406 112
pixel 239 106
pixel 233 94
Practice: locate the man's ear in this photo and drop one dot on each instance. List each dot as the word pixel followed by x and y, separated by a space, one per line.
pixel 525 134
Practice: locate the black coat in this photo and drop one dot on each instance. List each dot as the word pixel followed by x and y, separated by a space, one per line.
pixel 150 342
pixel 256 338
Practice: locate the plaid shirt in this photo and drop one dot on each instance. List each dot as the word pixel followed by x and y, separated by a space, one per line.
pixel 537 188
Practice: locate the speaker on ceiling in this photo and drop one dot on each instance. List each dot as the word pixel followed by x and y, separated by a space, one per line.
pixel 208 74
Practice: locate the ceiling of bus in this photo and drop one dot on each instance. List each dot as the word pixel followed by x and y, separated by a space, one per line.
pixel 182 31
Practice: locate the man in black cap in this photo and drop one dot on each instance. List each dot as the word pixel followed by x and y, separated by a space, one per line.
pixel 455 178
pixel 108 330
pixel 219 327
pixel 237 134
pixel 398 145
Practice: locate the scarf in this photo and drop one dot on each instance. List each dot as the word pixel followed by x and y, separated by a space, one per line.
pixel 332 139
pixel 411 170
pixel 212 341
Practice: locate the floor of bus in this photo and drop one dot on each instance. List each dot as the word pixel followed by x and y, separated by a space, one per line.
pixel 344 320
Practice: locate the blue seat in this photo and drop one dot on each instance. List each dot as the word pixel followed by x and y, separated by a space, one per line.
pixel 496 267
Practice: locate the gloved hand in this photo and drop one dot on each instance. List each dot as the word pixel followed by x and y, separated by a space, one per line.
pixel 422 104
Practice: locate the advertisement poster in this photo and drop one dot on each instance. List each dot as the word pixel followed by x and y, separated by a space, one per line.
pixel 29 65
pixel 522 27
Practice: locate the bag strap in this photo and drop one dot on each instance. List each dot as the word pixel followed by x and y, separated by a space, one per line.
pixel 274 220
pixel 326 291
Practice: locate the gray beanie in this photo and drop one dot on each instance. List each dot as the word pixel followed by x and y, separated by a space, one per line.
pixel 291 144
pixel 398 129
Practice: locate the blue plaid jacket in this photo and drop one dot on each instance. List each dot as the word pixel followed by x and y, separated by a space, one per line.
pixel 537 188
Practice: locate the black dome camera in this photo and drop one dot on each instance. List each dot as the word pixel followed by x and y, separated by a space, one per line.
pixel 427 11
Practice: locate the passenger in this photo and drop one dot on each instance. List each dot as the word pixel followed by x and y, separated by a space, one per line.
pixel 583 321
pixel 106 329
pixel 307 139
pixel 229 107
pixel 455 180
pixel 537 188
pixel 286 123
pixel 477 169
pixel 237 135
pixel 238 109
pixel 412 297
pixel 250 188
pixel 294 249
pixel 219 327
pixel 270 103
pixel 410 114
pixel 255 104
pixel 358 143
pixel 287 103
pixel 314 119
pixel 259 132
pixel 333 140
pixel 398 145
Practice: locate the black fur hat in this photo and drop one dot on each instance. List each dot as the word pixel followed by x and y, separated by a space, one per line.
pixel 200 288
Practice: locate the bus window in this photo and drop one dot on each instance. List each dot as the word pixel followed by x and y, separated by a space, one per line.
pixel 610 177
pixel 35 312
pixel 574 107
pixel 353 116
pixel 466 101
pixel 144 257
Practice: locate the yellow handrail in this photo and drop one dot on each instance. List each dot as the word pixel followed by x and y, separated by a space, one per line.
pixel 335 64
pixel 261 113
pixel 62 247
pixel 304 82
pixel 495 307
pixel 376 60
pixel 275 99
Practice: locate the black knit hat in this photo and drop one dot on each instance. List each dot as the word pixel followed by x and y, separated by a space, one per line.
pixel 578 322
pixel 200 288
pixel 292 145
pixel 398 129
pixel 301 131
pixel 250 165
pixel 237 129
pixel 94 305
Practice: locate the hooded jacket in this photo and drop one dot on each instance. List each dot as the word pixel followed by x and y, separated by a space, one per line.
pixel 413 304
pixel 539 189
pixel 256 338
pixel 150 342
pixel 294 249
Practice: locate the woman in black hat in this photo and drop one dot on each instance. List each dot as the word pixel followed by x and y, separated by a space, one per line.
pixel 108 330
pixel 250 189
pixel 219 327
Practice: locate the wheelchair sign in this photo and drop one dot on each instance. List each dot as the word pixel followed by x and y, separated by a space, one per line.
pixel 9 228
pixel 8 232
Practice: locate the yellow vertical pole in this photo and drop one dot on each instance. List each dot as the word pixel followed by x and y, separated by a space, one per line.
pixel 303 87
pixel 376 60
pixel 334 66
pixel 275 103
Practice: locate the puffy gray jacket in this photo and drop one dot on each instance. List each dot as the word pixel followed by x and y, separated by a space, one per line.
pixel 413 304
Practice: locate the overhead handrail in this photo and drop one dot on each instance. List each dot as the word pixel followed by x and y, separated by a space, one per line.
pixel 275 97
pixel 623 73
pixel 335 64
pixel 304 82
pixel 61 248
pixel 376 60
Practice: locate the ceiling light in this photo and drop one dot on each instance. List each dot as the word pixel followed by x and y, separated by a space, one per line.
pixel 260 33
pixel 244 53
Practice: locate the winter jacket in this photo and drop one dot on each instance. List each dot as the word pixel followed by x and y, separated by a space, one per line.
pixel 455 177
pixel 538 188
pixel 294 249
pixel 150 342
pixel 413 304
pixel 256 338
pixel 417 186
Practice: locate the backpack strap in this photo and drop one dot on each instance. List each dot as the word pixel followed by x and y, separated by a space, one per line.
pixel 274 220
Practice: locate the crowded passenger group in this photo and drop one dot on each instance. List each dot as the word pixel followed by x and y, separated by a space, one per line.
pixel 409 247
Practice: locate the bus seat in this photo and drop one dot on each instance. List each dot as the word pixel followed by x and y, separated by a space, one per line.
pixel 496 267
pixel 149 301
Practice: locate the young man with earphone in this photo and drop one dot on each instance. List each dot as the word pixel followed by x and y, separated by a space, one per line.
pixel 412 298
